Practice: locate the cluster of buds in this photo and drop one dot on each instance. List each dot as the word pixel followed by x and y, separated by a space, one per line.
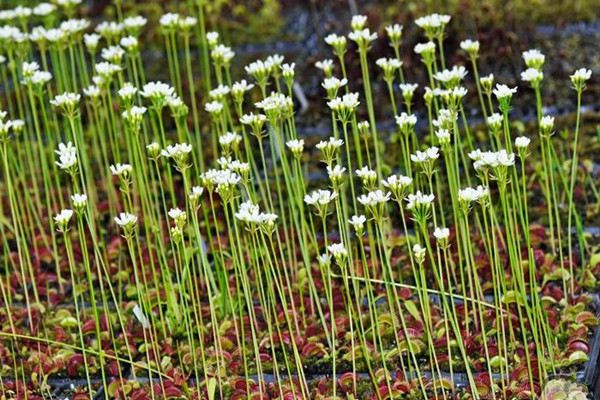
pixel 254 220
pixel 329 149
pixel 375 203
pixel 398 186
pixel 339 253
pixel 368 177
pixel 426 159
pixel 180 154
pixel 332 85
pixel 157 93
pixel 296 146
pixel 389 66
pixel 61 220
pixel 470 195
pixel 336 176
pixel 433 25
pixel 128 223
pixel 67 157
pixel 344 107
pixel 451 78
pixel 420 206
pixel 256 123
pixel 67 103
pixel 320 199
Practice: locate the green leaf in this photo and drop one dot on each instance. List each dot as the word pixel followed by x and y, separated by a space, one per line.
pixel 412 309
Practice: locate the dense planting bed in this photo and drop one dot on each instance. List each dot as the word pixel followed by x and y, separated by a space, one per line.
pixel 187 240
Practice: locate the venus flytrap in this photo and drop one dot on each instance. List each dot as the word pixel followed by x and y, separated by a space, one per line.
pixel 578 80
pixel 434 26
pixel 339 45
pixel 61 221
pixel 363 39
pixel 389 66
pixel 406 125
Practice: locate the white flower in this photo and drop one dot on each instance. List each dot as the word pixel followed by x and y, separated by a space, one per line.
pixel 443 136
pixel 127 91
pixel 178 216
pixel 419 199
pixel 470 46
pixel 395 33
pixel 358 222
pixel 139 315
pixel 212 38
pixel 92 91
pixel 325 65
pixel 547 123
pixel 229 138
pixel 157 90
pixel 126 220
pixel 580 77
pixel 358 22
pixel 332 84
pixel 430 154
pixel 129 43
pixel 469 195
pixel 503 92
pixel 44 9
pixel 330 145
pixel 222 54
pixel 248 212
pixel 134 23
pixel 79 200
pixel 169 20
pixel 451 76
pixel 320 197
pixel 63 217
pixel 408 89
pixel 213 107
pixel 396 183
pixel 419 253
pixel 522 142
pixel 109 29
pixel 425 48
pixel 533 58
pixel 91 41
pixel 106 69
pixel 441 234
pixel 337 250
pixel 296 146
pixel 239 88
pixel 67 156
pixel 494 121
pixel 432 21
pixel 362 37
pixel 195 194
pixel 336 173
pixel 187 23
pixel 121 169
pixel 219 92
pixel 275 103
pixel 532 75
pixel 374 198
pixel 114 54
pixel 177 150
pixel 345 104
pixel 366 173
pixel 406 122
pixel 336 41
pixel 66 100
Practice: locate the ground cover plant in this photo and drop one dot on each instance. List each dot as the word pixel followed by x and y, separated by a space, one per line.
pixel 176 237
